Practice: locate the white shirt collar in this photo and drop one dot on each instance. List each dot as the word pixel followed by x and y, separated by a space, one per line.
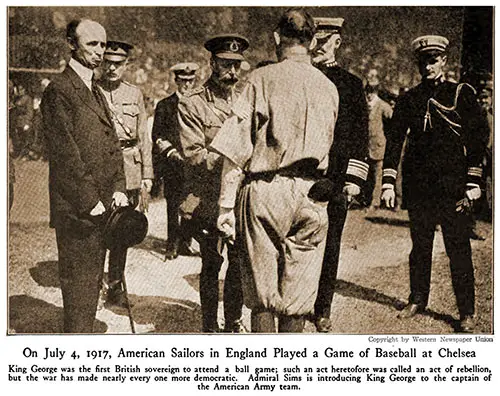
pixel 83 72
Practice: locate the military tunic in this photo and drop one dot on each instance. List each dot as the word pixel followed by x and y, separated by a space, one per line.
pixel 347 163
pixel 446 143
pixel 201 115
pixel 379 115
pixel 126 103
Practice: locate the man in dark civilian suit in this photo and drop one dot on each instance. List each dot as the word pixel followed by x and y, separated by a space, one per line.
pixel 86 175
pixel 168 160
pixel 347 168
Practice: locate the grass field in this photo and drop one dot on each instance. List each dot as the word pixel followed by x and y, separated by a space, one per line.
pixel 373 275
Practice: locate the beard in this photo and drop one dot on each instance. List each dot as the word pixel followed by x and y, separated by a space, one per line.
pixel 319 57
pixel 228 79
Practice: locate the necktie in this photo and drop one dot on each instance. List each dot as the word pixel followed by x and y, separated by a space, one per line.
pixel 101 100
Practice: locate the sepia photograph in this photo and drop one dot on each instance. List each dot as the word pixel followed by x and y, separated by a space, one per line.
pixel 236 170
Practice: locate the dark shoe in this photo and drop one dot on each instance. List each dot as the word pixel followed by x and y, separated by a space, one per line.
pixel 172 250
pixel 410 311
pixel 323 325
pixel 235 327
pixel 468 324
pixel 476 236
pixel 117 297
pixel 291 324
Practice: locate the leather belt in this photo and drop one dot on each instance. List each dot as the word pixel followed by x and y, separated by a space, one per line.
pixel 127 143
pixel 305 169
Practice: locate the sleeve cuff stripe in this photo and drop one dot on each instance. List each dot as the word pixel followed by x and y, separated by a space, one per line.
pixel 474 171
pixel 358 163
pixel 390 173
pixel 358 169
pixel 362 175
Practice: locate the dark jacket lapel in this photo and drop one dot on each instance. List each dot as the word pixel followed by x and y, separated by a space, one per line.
pixel 87 96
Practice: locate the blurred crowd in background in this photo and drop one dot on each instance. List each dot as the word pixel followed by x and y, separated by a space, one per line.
pixel 375 48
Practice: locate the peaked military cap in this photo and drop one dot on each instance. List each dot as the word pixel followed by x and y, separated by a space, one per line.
pixel 429 44
pixel 117 51
pixel 328 26
pixel 227 46
pixel 185 71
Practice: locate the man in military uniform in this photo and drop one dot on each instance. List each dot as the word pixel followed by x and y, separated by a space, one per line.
pixel 279 135
pixel 379 115
pixel 201 115
pixel 441 174
pixel 348 168
pixel 126 104
pixel 168 161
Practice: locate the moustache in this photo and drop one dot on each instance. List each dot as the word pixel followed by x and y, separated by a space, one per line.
pixel 319 57
pixel 229 78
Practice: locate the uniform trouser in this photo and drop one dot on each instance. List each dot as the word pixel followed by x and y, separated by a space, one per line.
pixel 211 263
pixel 81 267
pixel 118 255
pixel 176 229
pixel 283 233
pixel 455 228
pixel 337 213
pixel 373 186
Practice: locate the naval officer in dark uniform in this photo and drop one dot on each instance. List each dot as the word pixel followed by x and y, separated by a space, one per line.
pixel 441 174
pixel 347 167
pixel 201 115
pixel 168 161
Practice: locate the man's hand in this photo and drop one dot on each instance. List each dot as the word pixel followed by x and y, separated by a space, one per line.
pixel 176 156
pixel 119 199
pixel 98 210
pixel 473 193
pixel 163 144
pixel 388 197
pixel 226 223
pixel 147 184
pixel 351 190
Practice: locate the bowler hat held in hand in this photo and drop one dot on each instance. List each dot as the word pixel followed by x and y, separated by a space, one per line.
pixel 125 227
